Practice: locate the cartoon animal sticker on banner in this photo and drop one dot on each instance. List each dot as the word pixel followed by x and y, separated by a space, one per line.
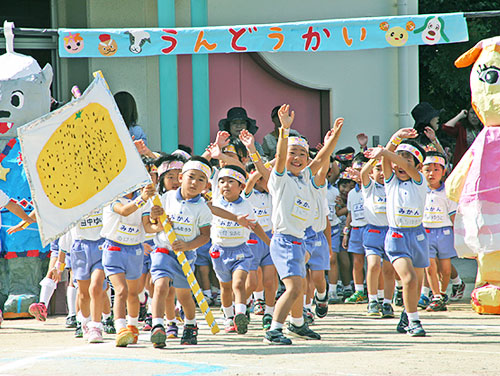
pixel 78 158
pixel 24 96
pixel 432 30
pixel 475 182
pixel 397 36
pixel 318 35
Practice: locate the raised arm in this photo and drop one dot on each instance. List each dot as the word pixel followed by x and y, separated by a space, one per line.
pixel 249 141
pixel 331 138
pixel 388 157
pixel 286 120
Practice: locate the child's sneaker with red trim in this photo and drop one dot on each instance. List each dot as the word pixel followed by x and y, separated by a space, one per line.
pixel 38 311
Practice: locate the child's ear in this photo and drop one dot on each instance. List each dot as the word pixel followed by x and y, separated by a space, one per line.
pixel 242 186
pixel 419 166
pixel 180 177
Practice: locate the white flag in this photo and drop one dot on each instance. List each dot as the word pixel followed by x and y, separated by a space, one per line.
pixel 79 158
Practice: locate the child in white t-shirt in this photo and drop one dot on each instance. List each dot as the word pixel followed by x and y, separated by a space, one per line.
pixel 406 241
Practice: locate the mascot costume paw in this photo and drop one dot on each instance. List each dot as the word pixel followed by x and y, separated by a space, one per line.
pixel 24 96
pixel 475 181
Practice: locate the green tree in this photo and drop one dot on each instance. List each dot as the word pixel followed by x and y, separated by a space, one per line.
pixel 441 83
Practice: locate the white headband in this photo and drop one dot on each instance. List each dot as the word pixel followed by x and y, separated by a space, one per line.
pixel 299 141
pixel 182 153
pixel 230 173
pixel 411 149
pixel 435 159
pixel 170 165
pixel 197 165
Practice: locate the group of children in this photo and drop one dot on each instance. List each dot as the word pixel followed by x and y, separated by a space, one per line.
pixel 260 225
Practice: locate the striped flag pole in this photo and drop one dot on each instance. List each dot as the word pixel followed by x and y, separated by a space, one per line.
pixel 188 272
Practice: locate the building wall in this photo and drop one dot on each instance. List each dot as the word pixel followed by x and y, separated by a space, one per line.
pixel 364 84
pixel 139 76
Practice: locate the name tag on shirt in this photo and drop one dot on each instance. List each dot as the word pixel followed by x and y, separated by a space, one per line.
pixel 94 221
pixel 358 212
pixel 229 230
pixel 408 217
pixel 128 234
pixel 301 208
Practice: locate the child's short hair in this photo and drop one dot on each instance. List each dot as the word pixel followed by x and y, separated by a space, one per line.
pixel 418 147
pixel 149 163
pixel 166 159
pixel 241 150
pixel 359 158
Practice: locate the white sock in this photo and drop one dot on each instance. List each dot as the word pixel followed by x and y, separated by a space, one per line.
pixel 437 297
pixel 228 311
pixel 48 288
pixel 426 290
pixel 456 281
pixel 412 316
pixel 120 324
pixel 71 294
pixel 399 283
pixel 305 300
pixel 142 296
pixel 207 293
pixel 269 310
pixel 85 320
pixel 158 321
pixel 372 298
pixel 360 288
pixel 94 324
pixel 190 322
pixel 249 300
pixel 133 321
pixel 308 306
pixel 276 325
pixel 149 306
pixel 258 295
pixel 332 288
pixel 380 294
pixel 321 295
pixel 240 308
pixel 297 321
pixel 387 301
pixel 106 316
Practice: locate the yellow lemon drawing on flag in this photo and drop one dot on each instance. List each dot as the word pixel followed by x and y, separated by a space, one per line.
pixel 81 157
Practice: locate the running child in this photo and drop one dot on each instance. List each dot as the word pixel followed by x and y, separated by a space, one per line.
pixel 354 231
pixel 439 215
pixel 290 186
pixel 231 256
pixel 256 192
pixel 190 218
pixel 124 223
pixel 406 242
pixel 374 197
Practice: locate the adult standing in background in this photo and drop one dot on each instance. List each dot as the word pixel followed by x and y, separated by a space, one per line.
pixel 237 120
pixel 271 139
pixel 128 109
pixel 465 127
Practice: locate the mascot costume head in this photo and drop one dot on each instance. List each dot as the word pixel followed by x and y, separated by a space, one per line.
pixel 24 96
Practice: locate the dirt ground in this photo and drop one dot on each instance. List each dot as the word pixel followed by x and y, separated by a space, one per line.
pixel 459 342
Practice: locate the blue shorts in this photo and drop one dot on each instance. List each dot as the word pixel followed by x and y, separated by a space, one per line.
pixel 165 265
pixel 86 256
pixel 336 239
pixel 441 243
pixel 289 255
pixel 356 240
pixel 202 256
pixel 146 262
pixel 260 251
pixel 231 259
pixel 374 241
pixel 317 247
pixel 410 242
pixel 120 258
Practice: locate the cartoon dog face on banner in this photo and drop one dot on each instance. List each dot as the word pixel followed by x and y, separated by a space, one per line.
pixel 24 95
pixel 484 79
